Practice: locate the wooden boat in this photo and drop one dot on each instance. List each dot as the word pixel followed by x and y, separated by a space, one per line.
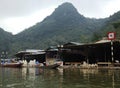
pixel 54 66
pixel 14 65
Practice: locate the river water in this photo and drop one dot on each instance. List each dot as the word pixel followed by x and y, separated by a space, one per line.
pixel 61 78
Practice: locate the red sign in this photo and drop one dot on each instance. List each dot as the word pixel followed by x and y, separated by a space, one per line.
pixel 111 35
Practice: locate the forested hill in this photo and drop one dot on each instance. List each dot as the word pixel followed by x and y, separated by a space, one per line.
pixel 5 40
pixel 64 25
pixel 112 24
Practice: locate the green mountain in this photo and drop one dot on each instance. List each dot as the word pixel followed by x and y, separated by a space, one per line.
pixel 64 25
pixel 112 24
pixel 5 41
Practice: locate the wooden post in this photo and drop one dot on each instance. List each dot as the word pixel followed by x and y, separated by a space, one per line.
pixel 0 61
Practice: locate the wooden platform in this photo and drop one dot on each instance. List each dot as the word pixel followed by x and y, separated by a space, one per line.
pixel 104 64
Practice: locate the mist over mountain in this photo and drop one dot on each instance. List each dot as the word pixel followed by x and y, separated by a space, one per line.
pixel 64 25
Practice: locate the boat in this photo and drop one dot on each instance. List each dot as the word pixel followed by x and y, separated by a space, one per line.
pixel 53 66
pixel 14 65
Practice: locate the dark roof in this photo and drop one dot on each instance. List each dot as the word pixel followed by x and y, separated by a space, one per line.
pixel 29 52
pixel 88 45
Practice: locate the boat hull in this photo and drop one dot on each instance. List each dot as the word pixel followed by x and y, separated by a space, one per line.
pixel 54 66
pixel 14 65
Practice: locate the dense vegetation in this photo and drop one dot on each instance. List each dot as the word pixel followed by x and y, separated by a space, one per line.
pixel 64 25
pixel 111 25
pixel 5 41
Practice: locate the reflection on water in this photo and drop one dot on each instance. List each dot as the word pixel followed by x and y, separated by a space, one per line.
pixel 61 78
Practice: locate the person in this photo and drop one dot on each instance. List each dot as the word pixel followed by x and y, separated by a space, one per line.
pixel 37 63
pixel 44 63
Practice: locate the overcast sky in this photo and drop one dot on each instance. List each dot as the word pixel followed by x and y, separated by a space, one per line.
pixel 17 15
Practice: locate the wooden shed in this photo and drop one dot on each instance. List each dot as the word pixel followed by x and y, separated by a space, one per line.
pixel 93 53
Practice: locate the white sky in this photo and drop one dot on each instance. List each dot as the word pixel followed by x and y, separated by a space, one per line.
pixel 17 15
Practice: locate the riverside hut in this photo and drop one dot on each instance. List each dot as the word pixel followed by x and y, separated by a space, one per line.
pixel 52 55
pixel 34 56
pixel 94 53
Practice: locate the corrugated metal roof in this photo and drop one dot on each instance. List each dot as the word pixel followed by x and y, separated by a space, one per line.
pixel 103 41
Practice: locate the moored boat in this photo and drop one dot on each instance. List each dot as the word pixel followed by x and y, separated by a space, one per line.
pixel 14 65
pixel 53 66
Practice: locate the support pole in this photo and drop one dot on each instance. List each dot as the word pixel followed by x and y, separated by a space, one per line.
pixel 112 54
